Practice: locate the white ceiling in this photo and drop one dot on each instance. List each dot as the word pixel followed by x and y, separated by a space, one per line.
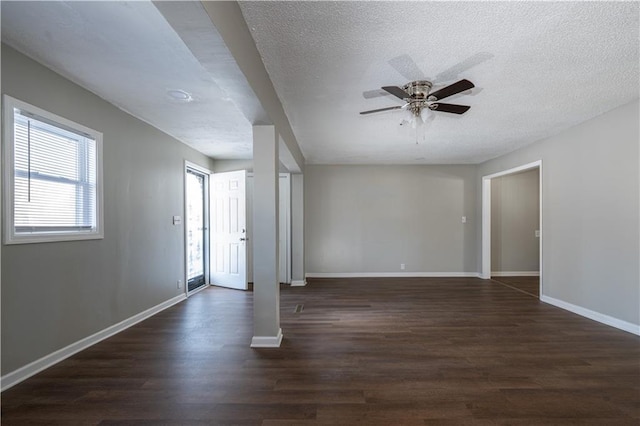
pixel 130 55
pixel 539 67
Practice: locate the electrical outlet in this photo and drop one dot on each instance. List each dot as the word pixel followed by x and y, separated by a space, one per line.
pixel 179 283
pixel 464 219
pixel 402 266
pixel 537 233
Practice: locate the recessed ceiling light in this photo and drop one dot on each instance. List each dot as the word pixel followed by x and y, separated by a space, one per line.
pixel 179 95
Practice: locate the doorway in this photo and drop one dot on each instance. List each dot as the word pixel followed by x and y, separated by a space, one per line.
pixel 284 227
pixel 511 228
pixel 232 219
pixel 196 227
pixel 229 235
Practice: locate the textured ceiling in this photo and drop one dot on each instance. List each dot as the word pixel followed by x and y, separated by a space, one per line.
pixel 539 68
pixel 132 53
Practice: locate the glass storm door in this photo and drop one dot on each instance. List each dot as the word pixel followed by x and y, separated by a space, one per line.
pixel 196 229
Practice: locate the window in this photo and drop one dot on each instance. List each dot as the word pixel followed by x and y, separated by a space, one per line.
pixel 53 177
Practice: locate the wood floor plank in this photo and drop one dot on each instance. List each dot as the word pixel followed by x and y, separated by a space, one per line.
pixel 529 285
pixel 368 351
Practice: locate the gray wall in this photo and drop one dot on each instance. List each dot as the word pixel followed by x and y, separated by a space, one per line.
pixel 54 294
pixel 368 219
pixel 590 212
pixel 515 213
pixel 220 166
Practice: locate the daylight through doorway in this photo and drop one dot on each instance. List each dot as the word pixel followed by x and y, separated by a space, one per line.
pixel 196 229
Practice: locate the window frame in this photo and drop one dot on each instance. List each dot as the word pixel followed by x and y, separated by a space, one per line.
pixel 10 235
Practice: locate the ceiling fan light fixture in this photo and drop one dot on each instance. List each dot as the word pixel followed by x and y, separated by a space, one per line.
pixel 426 114
pixel 417 121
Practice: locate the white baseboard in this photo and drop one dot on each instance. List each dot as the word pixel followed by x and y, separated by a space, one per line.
pixel 596 316
pixel 267 341
pixel 23 373
pixel 298 283
pixel 390 274
pixel 515 273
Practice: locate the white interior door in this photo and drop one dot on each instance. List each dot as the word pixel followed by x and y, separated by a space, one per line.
pixel 229 230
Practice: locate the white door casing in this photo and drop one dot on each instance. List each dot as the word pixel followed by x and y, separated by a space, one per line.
pixel 207 173
pixel 485 272
pixel 284 238
pixel 284 228
pixel 229 230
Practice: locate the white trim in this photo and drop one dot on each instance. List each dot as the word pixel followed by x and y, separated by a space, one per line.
pixel 540 223
pixel 513 170
pixel 485 272
pixel 596 316
pixel 23 373
pixel 298 283
pixel 515 273
pixel 197 167
pixel 267 341
pixel 10 236
pixel 390 274
pixel 285 191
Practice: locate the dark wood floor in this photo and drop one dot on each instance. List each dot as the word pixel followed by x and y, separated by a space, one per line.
pixel 361 352
pixel 529 285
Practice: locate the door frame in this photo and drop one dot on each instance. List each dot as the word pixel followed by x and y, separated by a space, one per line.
pixel 215 281
pixel 286 192
pixel 207 173
pixel 286 256
pixel 486 217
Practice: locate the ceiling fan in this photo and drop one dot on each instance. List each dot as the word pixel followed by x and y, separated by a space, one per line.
pixel 417 97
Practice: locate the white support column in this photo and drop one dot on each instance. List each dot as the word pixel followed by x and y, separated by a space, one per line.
pixel 266 285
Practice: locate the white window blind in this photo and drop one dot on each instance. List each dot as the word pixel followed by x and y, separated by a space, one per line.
pixel 55 178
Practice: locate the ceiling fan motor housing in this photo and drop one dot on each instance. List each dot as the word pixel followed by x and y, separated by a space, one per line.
pixel 419 91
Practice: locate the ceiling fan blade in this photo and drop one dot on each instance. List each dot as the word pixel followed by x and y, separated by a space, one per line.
pixel 458 87
pixel 381 109
pixel 456 109
pixel 407 67
pixel 374 93
pixel 453 72
pixel 396 91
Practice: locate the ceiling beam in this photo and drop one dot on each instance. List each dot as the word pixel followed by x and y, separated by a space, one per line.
pixel 227 18
pixel 193 25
